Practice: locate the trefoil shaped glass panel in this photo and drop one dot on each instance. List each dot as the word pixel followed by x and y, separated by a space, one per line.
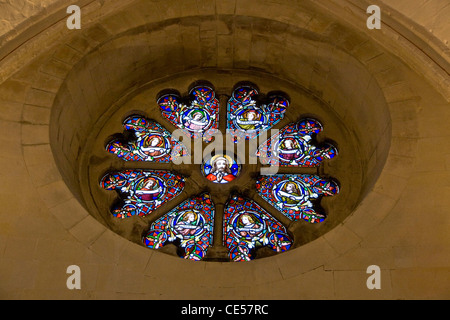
pixel 198 117
pixel 189 225
pixel 142 191
pixel 294 195
pixel 293 146
pixel 150 142
pixel 249 117
pixel 248 226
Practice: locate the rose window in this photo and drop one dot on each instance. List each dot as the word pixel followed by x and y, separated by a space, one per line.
pixel 206 144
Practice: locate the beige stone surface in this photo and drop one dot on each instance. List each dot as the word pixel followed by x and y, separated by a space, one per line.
pixel 58 86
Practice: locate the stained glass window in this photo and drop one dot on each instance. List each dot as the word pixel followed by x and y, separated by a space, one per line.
pixel 198 117
pixel 248 226
pixel 248 229
pixel 293 195
pixel 142 191
pixel 149 142
pixel 294 146
pixel 191 223
pixel 248 117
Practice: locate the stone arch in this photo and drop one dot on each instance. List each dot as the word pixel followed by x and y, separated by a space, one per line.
pixel 36 86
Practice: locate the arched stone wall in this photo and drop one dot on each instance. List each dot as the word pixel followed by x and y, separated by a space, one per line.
pixel 385 229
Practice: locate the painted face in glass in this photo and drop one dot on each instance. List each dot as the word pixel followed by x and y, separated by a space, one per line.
pixel 196 121
pixel 250 120
pixel 150 189
pixel 220 169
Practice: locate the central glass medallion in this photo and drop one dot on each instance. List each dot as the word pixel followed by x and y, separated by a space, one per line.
pixel 220 168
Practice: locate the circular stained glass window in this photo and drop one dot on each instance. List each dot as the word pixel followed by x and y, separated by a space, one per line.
pixel 243 221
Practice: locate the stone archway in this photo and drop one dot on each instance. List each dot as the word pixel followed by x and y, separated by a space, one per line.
pixel 53 101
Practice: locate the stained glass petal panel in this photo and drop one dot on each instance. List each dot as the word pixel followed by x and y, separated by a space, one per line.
pixel 294 195
pixel 198 118
pixel 293 146
pixel 248 226
pixel 150 142
pixel 190 225
pixel 248 117
pixel 142 191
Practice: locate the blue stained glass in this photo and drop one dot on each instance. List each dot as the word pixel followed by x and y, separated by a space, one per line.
pixel 293 195
pixel 248 117
pixel 199 117
pixel 151 142
pixel 142 191
pixel 293 146
pixel 248 226
pixel 191 223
